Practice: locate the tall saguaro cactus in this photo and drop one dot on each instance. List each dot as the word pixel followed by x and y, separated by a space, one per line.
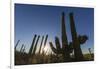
pixel 76 45
pixel 65 48
pixel 64 39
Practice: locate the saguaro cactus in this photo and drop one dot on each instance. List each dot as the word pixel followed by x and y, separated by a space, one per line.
pixel 31 48
pixel 58 50
pixel 90 52
pixel 76 44
pixel 35 47
pixel 17 44
pixel 23 51
pixel 64 40
pixel 65 48
pixel 45 40
pixel 21 48
pixel 41 44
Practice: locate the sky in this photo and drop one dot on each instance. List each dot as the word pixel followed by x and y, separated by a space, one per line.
pixel 33 19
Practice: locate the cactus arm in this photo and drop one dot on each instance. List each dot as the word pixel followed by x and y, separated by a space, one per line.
pixel 82 39
pixel 65 52
pixel 30 51
pixel 45 40
pixel 41 44
pixel 64 35
pixel 34 50
pixel 57 43
pixel 52 47
pixel 21 48
pixel 70 47
pixel 17 44
pixel 76 44
pixel 90 52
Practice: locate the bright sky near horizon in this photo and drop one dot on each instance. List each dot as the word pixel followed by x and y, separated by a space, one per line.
pixel 42 20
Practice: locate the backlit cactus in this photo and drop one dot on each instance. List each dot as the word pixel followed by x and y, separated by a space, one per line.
pixel 64 50
pixel 32 45
pixel 17 44
pixel 76 40
pixel 21 48
pixel 90 52
pixel 72 46
pixel 35 47
pixel 45 41
pixel 41 44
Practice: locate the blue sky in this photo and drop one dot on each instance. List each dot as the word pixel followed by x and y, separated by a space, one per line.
pixel 42 20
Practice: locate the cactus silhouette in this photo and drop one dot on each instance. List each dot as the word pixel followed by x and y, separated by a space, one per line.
pixel 35 47
pixel 41 44
pixel 21 48
pixel 74 45
pixel 45 40
pixel 23 51
pixel 61 51
pixel 82 39
pixel 32 45
pixel 76 41
pixel 58 50
pixel 65 48
pixel 17 44
pixel 90 52
pixel 65 51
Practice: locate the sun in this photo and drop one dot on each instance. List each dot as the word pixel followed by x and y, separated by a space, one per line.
pixel 46 49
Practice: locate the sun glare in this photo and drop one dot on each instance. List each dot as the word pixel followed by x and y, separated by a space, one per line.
pixel 47 49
